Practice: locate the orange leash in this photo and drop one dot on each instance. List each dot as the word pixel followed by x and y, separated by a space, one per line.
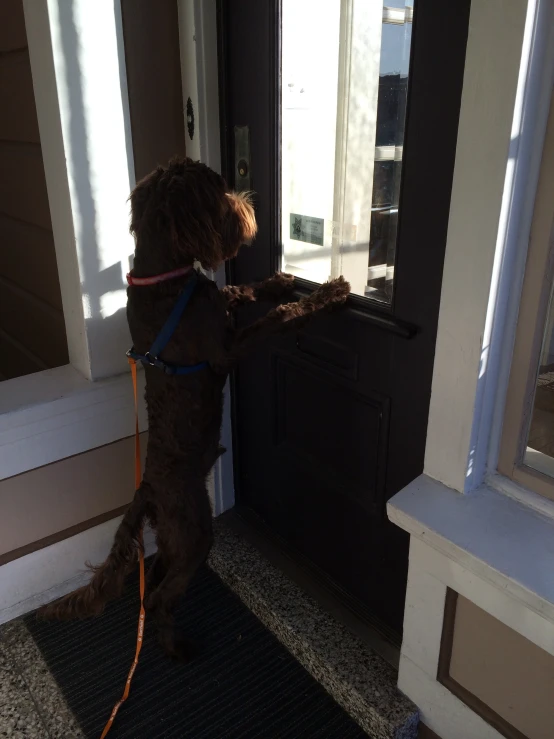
pixel 140 632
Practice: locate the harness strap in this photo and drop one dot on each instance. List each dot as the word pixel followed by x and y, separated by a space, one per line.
pixel 162 339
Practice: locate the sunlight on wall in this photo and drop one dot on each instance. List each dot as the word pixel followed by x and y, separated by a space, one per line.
pixel 112 301
pixel 92 90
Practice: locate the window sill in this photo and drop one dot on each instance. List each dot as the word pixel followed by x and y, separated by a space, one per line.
pixel 58 413
pixel 503 541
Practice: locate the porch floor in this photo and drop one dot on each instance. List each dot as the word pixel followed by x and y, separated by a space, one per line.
pixel 271 664
pixel 62 679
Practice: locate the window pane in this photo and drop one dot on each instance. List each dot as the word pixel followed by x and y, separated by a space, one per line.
pixel 540 444
pixel 343 109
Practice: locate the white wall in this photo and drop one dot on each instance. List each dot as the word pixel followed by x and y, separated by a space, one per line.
pixel 81 92
pixel 484 152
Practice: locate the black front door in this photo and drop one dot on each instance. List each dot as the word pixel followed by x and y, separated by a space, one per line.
pixel 351 111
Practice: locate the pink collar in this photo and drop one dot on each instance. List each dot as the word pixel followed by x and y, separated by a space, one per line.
pixel 143 281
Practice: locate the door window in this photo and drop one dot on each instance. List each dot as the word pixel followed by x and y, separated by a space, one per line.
pixel 343 105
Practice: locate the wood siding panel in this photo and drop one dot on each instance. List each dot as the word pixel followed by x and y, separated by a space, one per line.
pixel 38 327
pixel 12 25
pixel 18 116
pixel 28 259
pixel 50 499
pixel 22 185
pixel 15 362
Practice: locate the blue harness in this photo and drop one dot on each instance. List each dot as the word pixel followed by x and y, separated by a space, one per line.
pixel 162 339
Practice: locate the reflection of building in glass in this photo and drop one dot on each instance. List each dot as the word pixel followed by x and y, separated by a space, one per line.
pixel 391 114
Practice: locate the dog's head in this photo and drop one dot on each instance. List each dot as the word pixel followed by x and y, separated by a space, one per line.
pixel 186 212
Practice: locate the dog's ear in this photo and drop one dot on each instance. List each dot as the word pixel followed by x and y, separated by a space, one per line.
pixel 140 198
pixel 242 226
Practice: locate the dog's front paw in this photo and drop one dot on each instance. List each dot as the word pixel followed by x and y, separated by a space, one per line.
pixel 334 292
pixel 280 284
pixel 285 280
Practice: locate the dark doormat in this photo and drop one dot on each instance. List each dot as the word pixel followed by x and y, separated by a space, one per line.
pixel 243 684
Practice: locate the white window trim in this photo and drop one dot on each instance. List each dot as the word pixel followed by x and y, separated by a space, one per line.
pixel 471 529
pixel 490 534
pixel 431 574
pixel 493 194
pixel 54 414
pixel 58 413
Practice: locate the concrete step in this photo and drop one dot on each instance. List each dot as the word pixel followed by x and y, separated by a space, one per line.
pixel 362 682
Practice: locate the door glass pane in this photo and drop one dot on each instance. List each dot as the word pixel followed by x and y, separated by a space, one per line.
pixel 540 444
pixel 344 84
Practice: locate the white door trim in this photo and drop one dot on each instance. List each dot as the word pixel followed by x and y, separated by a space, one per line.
pixel 200 83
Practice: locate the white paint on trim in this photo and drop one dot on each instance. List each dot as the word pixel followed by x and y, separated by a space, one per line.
pixel 80 86
pixel 199 75
pixel 494 600
pixel 514 490
pixel 58 413
pixel 189 73
pixel 78 68
pixel 489 93
pixel 440 710
pixel 42 576
pixel 506 544
pixel 430 573
pixel 37 25
pixel 532 106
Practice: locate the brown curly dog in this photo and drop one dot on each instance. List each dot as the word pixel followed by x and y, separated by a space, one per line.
pixel 180 214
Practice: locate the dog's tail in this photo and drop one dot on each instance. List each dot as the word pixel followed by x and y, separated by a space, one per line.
pixel 108 578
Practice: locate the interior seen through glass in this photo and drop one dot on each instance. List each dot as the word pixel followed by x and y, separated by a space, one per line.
pixel 344 84
pixel 540 444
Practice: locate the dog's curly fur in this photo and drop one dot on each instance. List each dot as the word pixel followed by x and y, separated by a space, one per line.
pixel 180 214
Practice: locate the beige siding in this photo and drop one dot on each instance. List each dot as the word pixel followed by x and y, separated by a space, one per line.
pixel 32 329
pixel 504 670
pixel 47 501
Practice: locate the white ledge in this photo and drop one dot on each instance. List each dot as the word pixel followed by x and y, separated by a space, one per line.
pixel 492 535
pixel 58 413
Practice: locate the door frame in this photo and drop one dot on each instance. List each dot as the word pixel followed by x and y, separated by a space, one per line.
pixel 200 75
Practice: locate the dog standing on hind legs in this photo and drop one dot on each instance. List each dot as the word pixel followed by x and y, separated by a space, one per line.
pixel 181 214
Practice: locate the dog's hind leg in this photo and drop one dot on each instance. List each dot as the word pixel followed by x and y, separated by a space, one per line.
pixel 184 545
pixel 156 572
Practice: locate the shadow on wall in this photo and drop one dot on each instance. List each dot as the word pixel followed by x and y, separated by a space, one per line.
pixel 102 262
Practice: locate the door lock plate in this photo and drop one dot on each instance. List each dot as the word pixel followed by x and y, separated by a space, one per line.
pixel 243 179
